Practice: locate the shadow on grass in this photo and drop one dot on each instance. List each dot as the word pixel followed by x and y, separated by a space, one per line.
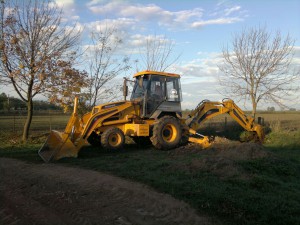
pixel 27 152
pixel 98 151
pixel 270 193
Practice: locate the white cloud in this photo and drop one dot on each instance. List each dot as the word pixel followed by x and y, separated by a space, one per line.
pixel 135 44
pixel 185 15
pixel 108 8
pixel 64 3
pixel 218 21
pixel 8 11
pixel 199 80
pixel 295 63
pixel 182 19
pixel 120 24
pixel 94 2
pixel 76 17
pixel 193 93
pixel 296 51
pixel 139 40
pixel 229 11
pixel 69 13
pixel 146 12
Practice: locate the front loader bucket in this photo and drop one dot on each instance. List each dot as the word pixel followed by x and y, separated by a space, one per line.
pixel 58 145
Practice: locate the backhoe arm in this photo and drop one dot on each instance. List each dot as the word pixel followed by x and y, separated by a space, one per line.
pixel 207 110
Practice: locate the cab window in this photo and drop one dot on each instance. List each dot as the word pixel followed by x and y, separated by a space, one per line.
pixel 140 87
pixel 157 88
pixel 173 89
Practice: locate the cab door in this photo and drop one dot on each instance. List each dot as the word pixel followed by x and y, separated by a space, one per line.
pixel 156 94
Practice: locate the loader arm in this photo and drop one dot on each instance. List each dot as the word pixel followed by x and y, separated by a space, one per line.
pixel 67 144
pixel 208 109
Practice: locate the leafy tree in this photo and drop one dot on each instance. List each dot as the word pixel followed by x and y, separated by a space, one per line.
pixel 257 66
pixel 33 43
pixel 67 84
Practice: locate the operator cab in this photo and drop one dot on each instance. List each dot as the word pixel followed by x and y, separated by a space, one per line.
pixel 158 91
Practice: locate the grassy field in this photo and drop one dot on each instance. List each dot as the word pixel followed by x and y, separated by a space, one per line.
pixel 41 122
pixel 47 120
pixel 262 190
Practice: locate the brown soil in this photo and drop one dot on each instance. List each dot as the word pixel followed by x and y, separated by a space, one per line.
pixel 55 194
pixel 222 157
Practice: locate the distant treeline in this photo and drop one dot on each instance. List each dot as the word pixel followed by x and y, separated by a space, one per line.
pixel 12 103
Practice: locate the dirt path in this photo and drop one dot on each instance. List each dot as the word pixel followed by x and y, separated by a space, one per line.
pixel 54 194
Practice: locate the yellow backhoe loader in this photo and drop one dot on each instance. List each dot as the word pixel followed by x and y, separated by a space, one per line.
pixel 153 114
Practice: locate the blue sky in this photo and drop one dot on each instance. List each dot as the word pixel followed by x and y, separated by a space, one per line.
pixel 199 29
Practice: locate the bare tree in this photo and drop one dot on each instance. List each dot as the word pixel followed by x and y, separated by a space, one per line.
pixel 105 64
pixel 33 43
pixel 258 66
pixel 158 54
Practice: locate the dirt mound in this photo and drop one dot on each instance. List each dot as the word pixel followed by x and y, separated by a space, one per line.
pixel 222 158
pixel 238 151
pixel 54 194
pixel 224 148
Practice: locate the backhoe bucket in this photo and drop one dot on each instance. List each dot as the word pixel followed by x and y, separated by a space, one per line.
pixel 204 142
pixel 260 133
pixel 58 145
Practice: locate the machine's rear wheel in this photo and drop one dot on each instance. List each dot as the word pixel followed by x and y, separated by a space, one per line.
pixel 112 138
pixel 166 133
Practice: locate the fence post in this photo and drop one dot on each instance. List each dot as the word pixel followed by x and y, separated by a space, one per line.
pixel 14 126
pixel 260 120
pixel 225 123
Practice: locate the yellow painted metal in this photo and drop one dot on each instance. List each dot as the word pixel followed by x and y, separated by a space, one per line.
pixel 156 73
pixel 114 139
pixel 136 130
pixel 125 115
pixel 208 109
pixel 169 133
pixel 68 144
pixel 58 145
pixel 204 141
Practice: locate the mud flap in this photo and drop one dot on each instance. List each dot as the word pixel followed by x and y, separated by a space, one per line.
pixel 58 145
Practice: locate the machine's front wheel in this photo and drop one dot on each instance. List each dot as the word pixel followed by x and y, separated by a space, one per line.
pixel 166 133
pixel 112 138
pixel 94 139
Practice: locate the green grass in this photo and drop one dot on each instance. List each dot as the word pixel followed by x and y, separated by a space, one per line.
pixel 47 122
pixel 286 144
pixel 267 190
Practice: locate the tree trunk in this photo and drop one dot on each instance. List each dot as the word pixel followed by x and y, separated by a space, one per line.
pixel 254 105
pixel 28 120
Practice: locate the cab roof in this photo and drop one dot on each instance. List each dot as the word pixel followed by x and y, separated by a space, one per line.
pixel 156 73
